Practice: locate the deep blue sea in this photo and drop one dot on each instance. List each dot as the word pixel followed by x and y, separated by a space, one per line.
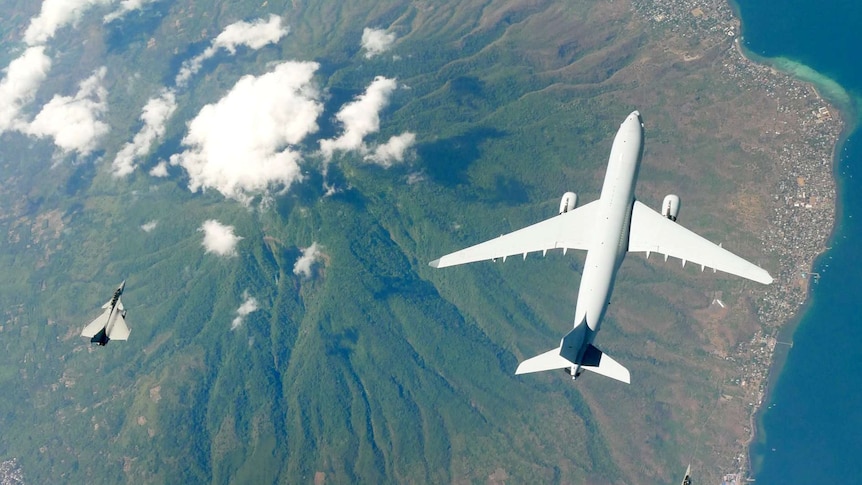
pixel 811 427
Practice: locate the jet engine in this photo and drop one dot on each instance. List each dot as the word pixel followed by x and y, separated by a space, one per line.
pixel 670 207
pixel 568 202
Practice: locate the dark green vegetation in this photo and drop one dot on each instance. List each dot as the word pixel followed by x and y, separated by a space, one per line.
pixel 378 369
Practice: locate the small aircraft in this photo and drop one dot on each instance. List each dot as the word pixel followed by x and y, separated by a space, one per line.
pixel 608 228
pixel 111 324
pixel 687 479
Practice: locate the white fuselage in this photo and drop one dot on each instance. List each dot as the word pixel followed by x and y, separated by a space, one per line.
pixel 610 240
pixel 112 320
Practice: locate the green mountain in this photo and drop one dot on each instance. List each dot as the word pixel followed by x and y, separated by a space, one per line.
pixel 375 368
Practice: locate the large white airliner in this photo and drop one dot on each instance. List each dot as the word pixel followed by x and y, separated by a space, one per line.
pixel 607 229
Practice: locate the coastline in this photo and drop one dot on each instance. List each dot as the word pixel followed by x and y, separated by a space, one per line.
pixel 802 217
pixel 784 332
pixel 788 329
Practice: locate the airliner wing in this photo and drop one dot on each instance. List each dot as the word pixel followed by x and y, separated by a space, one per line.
pixel 570 230
pixel 651 232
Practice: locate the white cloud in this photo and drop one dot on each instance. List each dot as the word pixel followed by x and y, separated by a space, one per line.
pixel 309 256
pixel 192 66
pixel 392 151
pixel 160 170
pixel 376 41
pixel 219 239
pixel 253 35
pixel 360 117
pixel 155 115
pixel 74 121
pixel 125 7
pixel 249 305
pixel 148 227
pixel 23 78
pixel 56 14
pixel 415 178
pixel 244 144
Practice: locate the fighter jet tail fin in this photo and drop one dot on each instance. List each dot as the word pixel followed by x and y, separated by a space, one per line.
pixel 550 360
pixel 98 324
pixel 601 363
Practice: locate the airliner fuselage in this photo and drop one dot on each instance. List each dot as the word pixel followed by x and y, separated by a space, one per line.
pixel 610 240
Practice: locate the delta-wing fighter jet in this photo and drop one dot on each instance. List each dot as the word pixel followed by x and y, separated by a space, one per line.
pixel 111 324
pixel 608 228
pixel 687 479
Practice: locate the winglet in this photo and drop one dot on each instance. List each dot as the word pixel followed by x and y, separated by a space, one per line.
pixel 761 276
pixel 434 263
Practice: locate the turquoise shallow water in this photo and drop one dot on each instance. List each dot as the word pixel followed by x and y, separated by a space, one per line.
pixel 811 429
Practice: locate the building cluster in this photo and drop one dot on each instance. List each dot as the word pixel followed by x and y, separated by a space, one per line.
pixel 754 365
pixel 690 18
pixel 732 479
pixel 10 473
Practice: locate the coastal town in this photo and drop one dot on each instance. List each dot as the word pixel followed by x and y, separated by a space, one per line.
pixel 11 473
pixel 803 209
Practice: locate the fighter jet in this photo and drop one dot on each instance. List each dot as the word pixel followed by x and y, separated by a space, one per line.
pixel 607 229
pixel 111 324
pixel 687 479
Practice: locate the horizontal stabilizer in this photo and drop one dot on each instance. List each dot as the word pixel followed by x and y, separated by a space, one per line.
pixel 98 324
pixel 550 360
pixel 600 363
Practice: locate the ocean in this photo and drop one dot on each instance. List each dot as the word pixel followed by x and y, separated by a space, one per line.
pixel 810 427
